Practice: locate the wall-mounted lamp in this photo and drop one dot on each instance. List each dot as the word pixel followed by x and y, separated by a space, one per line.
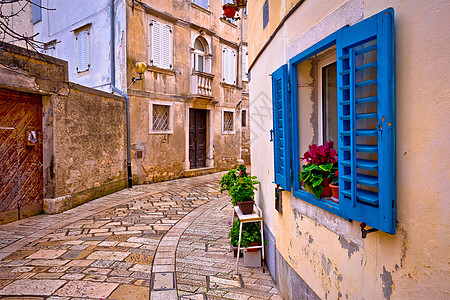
pixel 140 67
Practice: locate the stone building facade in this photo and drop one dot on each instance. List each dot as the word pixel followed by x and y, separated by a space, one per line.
pixel 189 114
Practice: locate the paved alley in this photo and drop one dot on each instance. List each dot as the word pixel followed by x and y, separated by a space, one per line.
pixel 159 241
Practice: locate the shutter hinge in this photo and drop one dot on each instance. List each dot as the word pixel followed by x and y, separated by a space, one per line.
pixel 151 24
pixel 271 135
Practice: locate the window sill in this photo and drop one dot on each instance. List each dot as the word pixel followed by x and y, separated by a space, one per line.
pixel 160 132
pixel 228 85
pixel 323 203
pixel 201 8
pixel 229 23
pixel 228 132
pixel 199 169
pixel 161 70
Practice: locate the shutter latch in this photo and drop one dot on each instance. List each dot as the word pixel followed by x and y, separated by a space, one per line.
pixel 271 135
pixel 365 231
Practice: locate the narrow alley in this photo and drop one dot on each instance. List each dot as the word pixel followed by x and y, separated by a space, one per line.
pixel 109 248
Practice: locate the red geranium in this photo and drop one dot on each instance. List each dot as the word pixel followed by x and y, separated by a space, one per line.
pixel 320 155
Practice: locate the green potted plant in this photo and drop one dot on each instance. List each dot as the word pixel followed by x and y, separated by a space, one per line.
pixel 242 193
pixel 251 235
pixel 229 179
pixel 321 164
pixel 334 186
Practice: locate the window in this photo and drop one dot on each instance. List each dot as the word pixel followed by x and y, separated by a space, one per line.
pixel 202 3
pixel 228 121
pixel 199 56
pixel 161 117
pixel 265 14
pixel 229 65
pixel 244 118
pixel 161 47
pixel 83 50
pixel 364 77
pixel 244 63
pixel 37 11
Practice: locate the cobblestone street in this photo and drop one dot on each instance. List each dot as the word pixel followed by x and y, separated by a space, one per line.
pixel 110 248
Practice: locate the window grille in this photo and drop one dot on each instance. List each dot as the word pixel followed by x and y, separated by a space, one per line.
pixel 161 117
pixel 228 121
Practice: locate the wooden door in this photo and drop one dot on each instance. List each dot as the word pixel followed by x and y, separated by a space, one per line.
pixel 21 175
pixel 197 138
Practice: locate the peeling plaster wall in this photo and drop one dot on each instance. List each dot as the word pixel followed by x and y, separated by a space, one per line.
pixel 327 252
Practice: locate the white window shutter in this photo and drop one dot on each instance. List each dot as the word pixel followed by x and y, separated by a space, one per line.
pixel 232 66
pixel 83 51
pixel 156 43
pixel 166 47
pixel 244 63
pixel 224 64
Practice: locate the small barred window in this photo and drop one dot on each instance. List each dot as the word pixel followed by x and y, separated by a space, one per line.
pixel 228 121
pixel 161 115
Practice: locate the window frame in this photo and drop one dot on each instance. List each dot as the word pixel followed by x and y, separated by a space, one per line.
pixel 150 114
pixel 224 110
pixel 246 117
pixel 207 8
pixel 376 209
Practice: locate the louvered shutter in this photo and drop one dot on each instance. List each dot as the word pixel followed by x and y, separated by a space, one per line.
pixel 280 107
pixel 232 67
pixel 83 51
pixel 225 64
pixel 166 47
pixel 244 63
pixel 156 43
pixel 366 121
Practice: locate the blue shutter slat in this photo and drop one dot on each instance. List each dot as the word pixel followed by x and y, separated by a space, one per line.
pixel 367 144
pixel 280 103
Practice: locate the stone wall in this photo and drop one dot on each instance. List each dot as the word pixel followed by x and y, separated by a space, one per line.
pixel 84 130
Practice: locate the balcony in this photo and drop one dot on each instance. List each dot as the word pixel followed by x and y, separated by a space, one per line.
pixel 202 85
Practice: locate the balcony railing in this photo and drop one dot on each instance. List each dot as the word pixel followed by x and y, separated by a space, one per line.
pixel 202 84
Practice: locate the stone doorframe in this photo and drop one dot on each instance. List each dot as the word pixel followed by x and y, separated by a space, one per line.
pixel 209 135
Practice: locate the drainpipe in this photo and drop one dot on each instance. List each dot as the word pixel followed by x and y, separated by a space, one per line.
pixel 115 89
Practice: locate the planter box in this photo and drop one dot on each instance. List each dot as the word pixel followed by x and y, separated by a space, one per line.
pixel 252 259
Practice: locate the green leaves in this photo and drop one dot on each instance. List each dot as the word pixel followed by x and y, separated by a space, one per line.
pixel 243 190
pixel 251 233
pixel 313 175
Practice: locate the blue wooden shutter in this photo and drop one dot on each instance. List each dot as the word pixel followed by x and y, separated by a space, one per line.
pixel 280 107
pixel 366 121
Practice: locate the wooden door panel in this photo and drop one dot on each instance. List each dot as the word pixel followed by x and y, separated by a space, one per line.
pixel 21 174
pixel 197 138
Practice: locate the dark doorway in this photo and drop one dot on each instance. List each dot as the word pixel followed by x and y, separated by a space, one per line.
pixel 197 138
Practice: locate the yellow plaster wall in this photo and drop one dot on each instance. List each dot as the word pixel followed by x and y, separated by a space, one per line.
pixel 325 250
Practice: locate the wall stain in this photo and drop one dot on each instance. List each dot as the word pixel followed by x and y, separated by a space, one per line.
pixel 349 245
pixel 387 283
pixel 326 264
pixel 310 240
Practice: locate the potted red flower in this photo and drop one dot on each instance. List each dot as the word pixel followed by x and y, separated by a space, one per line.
pixel 229 10
pixel 321 164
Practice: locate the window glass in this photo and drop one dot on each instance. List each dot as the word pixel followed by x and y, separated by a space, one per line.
pixel 266 14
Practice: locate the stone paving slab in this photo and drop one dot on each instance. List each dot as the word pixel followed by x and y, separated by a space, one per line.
pixel 110 247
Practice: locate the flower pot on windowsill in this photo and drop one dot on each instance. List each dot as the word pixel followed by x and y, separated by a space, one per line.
pixel 246 207
pixel 229 11
pixel 334 193
pixel 326 188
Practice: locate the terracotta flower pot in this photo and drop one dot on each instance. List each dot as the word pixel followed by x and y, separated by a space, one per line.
pixel 335 191
pixel 246 207
pixel 229 11
pixel 326 188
